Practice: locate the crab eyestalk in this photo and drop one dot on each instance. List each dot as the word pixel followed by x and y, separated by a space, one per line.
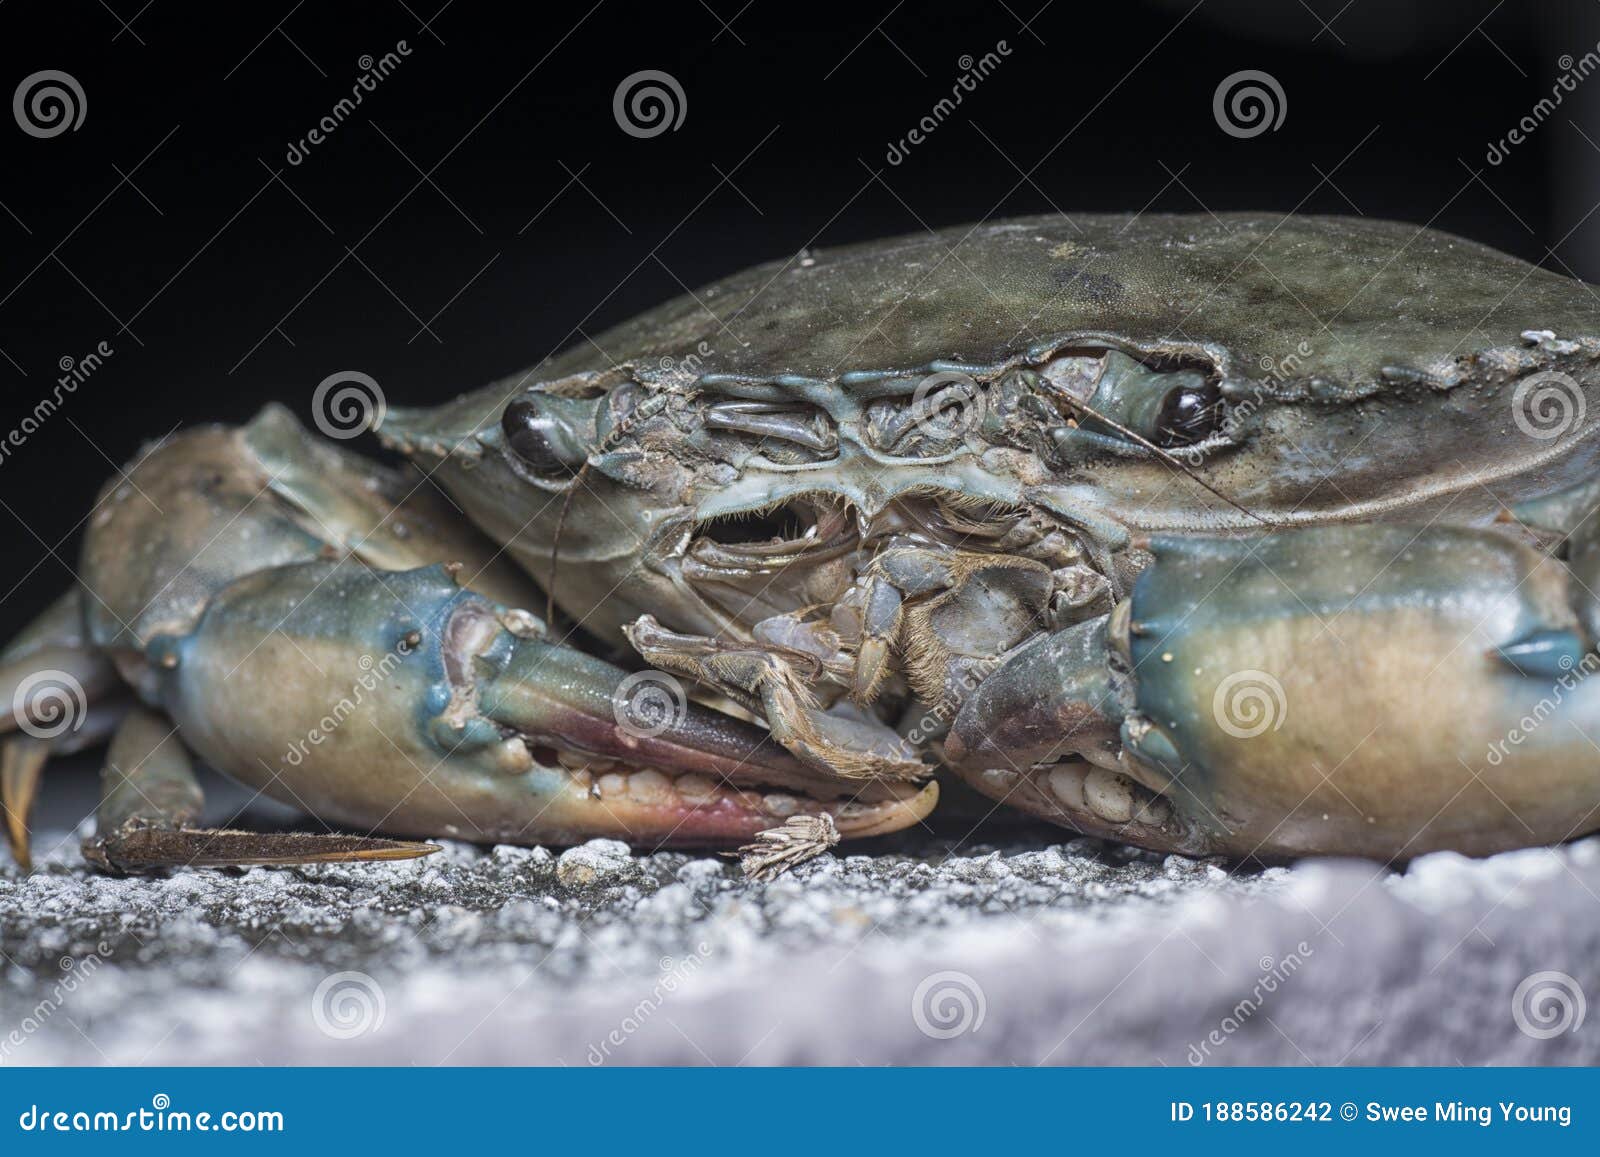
pixel 402 702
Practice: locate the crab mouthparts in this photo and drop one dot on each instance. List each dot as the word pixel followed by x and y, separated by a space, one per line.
pixel 630 754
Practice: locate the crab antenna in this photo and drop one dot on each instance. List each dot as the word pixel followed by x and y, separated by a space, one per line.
pixel 555 545
pixel 1169 458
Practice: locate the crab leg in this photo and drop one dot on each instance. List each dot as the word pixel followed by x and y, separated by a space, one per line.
pixel 62 699
pixel 1379 690
pixel 150 803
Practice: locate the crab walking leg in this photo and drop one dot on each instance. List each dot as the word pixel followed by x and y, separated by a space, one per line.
pixel 401 702
pixel 22 762
pixel 768 680
pixel 1376 690
pixel 150 803
pixel 61 697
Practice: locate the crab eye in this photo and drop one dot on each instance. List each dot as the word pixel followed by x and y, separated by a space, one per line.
pixel 540 437
pixel 1189 414
pixel 1165 405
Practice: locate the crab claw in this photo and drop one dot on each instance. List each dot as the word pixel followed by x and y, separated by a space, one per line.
pixel 1376 690
pixel 403 703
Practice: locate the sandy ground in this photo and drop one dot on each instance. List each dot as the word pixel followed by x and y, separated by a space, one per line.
pixel 1028 950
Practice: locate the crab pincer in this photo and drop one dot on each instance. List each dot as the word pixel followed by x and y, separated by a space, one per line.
pixel 1375 690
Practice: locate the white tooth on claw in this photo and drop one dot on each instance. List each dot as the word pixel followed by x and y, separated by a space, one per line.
pixel 512 757
pixel 1109 795
pixel 780 805
pixel 649 786
pixel 693 785
pixel 1155 811
pixel 1066 783
pixel 612 784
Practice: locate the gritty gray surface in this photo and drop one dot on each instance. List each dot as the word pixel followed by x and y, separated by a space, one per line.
pixel 1030 952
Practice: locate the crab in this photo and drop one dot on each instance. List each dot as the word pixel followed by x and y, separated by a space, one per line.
pixel 1212 535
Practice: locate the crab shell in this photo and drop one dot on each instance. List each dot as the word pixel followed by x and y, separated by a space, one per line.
pixel 1367 370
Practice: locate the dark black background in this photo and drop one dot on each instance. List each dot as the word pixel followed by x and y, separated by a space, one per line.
pixel 482 208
